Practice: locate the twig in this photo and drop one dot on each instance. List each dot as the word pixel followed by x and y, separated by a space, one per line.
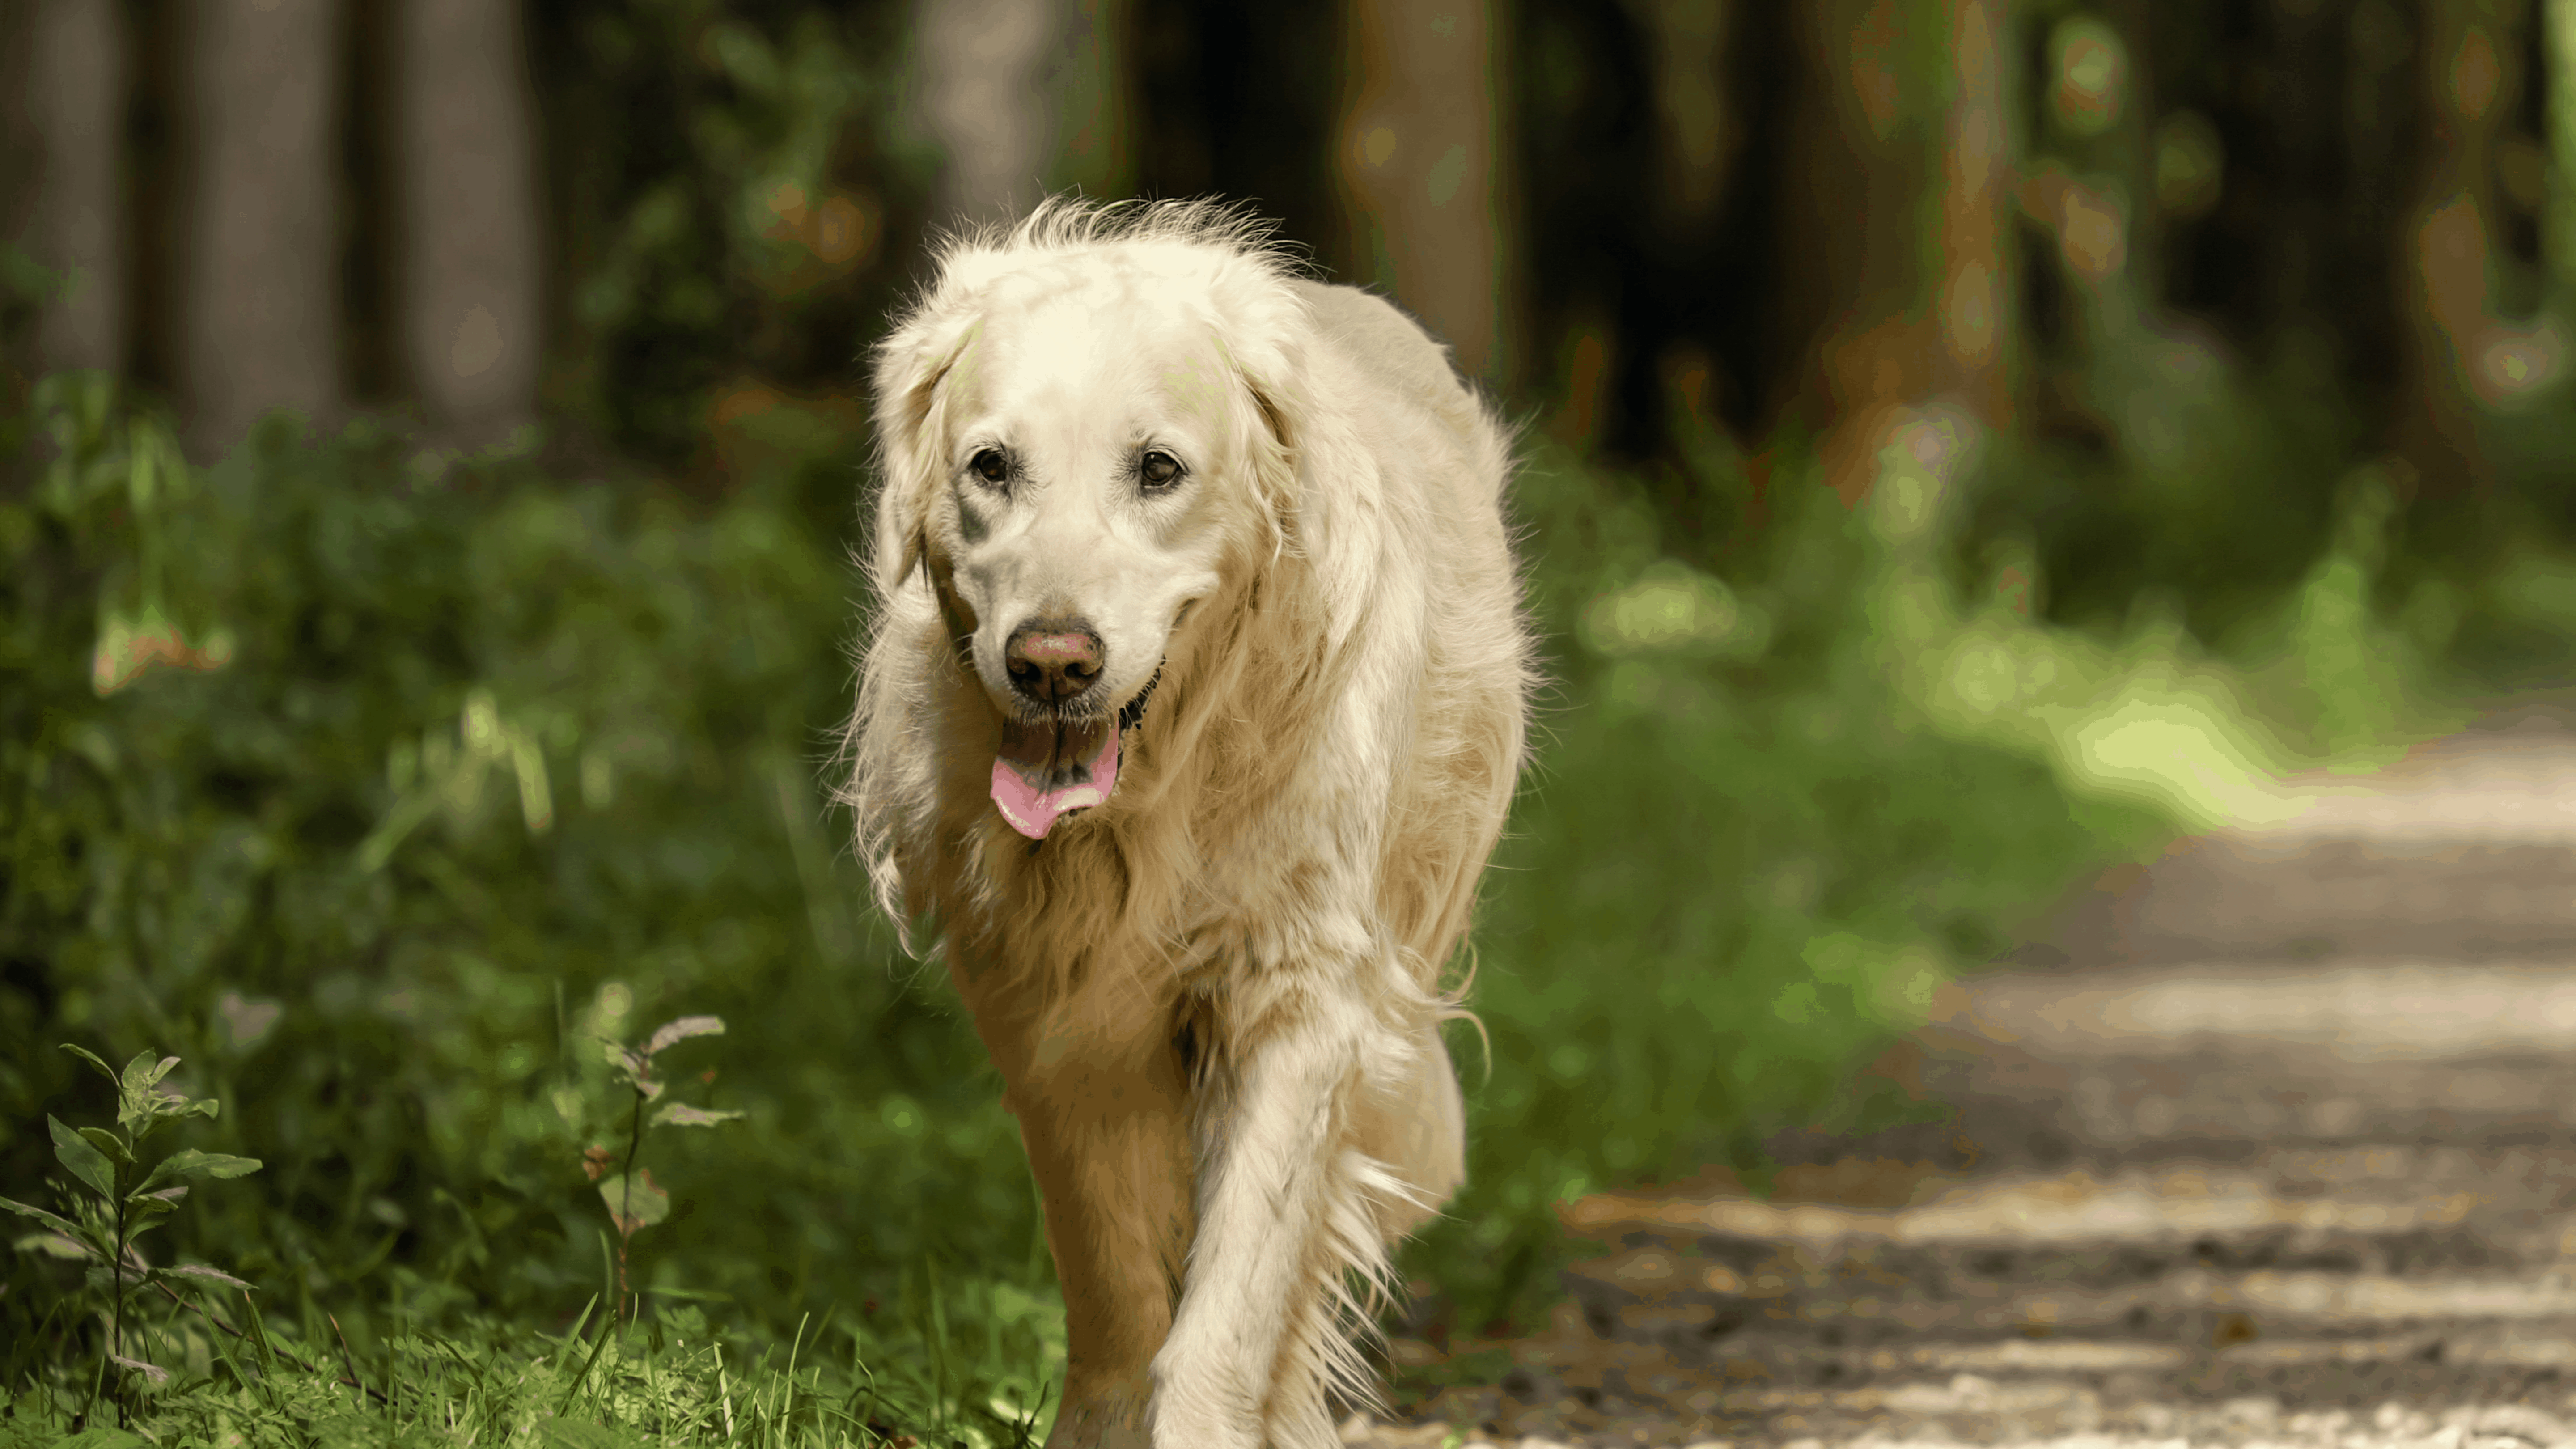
pixel 350 1362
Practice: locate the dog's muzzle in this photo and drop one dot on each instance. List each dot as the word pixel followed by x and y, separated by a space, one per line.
pixel 1052 767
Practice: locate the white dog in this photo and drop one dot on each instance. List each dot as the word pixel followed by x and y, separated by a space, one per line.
pixel 1190 710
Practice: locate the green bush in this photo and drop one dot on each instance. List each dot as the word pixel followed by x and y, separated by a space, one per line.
pixel 1745 858
pixel 441 770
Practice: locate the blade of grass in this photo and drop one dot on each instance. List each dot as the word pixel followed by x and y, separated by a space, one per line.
pixel 939 1346
pixel 597 1347
pixel 574 1336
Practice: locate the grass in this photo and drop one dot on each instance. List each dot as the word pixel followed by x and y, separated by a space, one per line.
pixel 672 1380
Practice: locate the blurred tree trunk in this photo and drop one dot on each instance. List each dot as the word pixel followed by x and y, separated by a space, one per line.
pixel 1090 99
pixel 260 325
pixel 1240 101
pixel 1699 132
pixel 1892 222
pixel 981 66
pixel 2558 20
pixel 1024 97
pixel 2306 129
pixel 2382 115
pixel 2459 358
pixel 1699 135
pixel 1417 150
pixel 468 244
pixel 73 62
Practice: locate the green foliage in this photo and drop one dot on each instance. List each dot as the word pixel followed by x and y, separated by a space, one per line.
pixel 732 195
pixel 1746 857
pixel 634 1200
pixel 383 787
pixel 123 1201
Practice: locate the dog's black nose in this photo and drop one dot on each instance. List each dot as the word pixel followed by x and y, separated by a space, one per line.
pixel 1053 660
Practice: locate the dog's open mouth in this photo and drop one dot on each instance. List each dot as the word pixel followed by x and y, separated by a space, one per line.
pixel 1049 768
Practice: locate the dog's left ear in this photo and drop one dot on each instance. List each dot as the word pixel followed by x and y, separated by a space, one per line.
pixel 911 367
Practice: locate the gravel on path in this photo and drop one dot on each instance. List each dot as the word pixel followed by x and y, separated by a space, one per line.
pixel 2271 1143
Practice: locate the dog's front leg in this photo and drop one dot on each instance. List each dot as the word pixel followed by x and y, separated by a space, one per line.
pixel 1284 1208
pixel 1103 1112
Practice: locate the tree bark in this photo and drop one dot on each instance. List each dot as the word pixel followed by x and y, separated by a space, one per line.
pixel 2558 30
pixel 982 66
pixel 1091 92
pixel 1893 223
pixel 261 305
pixel 469 246
pixel 1699 128
pixel 76 71
pixel 1417 152
pixel 2463 355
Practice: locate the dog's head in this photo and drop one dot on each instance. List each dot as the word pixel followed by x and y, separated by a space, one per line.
pixel 1084 428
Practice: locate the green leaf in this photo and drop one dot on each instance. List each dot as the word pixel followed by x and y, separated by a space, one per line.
pixel 681 1114
pixel 134 1091
pixel 109 1145
pixel 635 1202
pixel 682 1029
pixel 91 1057
pixel 158 1108
pixel 54 1245
pixel 85 1161
pixel 139 1074
pixel 58 1224
pixel 189 1162
pixel 199 1273
pixel 170 1195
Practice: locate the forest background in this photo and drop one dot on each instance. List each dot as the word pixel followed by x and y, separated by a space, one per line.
pixel 1969 444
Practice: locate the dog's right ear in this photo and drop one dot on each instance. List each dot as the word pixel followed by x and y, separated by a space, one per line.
pixel 1260 336
pixel 911 367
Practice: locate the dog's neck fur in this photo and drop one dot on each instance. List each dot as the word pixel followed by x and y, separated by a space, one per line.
pixel 1018 901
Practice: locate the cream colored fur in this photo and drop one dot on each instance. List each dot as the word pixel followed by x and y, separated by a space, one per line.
pixel 1214 999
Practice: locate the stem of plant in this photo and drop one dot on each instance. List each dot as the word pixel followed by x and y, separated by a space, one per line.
pixel 116 1333
pixel 626 1208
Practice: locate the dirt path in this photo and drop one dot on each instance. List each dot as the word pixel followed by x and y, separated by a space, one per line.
pixel 2274 1142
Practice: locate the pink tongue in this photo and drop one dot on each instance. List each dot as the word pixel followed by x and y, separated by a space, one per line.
pixel 1039 775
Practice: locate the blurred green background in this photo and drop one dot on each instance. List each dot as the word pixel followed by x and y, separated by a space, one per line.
pixel 1968 445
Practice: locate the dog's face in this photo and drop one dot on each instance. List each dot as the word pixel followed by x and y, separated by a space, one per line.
pixel 1080 475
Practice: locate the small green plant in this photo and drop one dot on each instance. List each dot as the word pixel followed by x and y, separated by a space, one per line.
pixel 635 1201
pixel 124 1201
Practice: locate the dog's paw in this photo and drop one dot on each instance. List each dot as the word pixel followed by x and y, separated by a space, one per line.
pixel 1204 1409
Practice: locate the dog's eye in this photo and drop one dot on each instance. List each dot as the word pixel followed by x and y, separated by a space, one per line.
pixel 1160 469
pixel 991 466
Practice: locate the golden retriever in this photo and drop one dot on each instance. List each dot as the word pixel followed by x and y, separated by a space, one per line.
pixel 1189 710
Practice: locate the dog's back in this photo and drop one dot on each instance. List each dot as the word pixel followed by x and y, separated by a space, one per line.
pixel 1468 734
